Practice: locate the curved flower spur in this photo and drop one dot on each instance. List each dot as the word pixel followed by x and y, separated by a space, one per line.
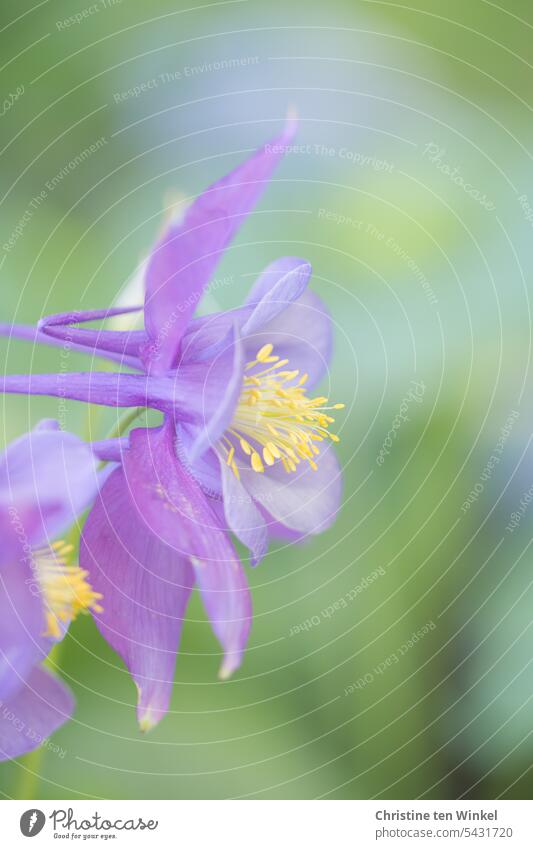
pixel 244 445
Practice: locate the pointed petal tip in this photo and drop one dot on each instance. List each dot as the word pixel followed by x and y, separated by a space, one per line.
pixel 147 721
pixel 225 672
pixel 147 715
pixel 230 664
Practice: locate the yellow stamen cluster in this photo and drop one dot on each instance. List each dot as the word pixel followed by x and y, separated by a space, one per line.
pixel 274 419
pixel 65 589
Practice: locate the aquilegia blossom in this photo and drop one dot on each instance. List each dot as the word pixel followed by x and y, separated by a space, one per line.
pixel 47 478
pixel 243 446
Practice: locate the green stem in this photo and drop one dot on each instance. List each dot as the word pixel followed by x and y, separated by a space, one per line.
pixel 29 781
pixel 123 423
pixel 31 768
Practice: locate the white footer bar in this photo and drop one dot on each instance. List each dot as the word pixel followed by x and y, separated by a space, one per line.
pixel 267 824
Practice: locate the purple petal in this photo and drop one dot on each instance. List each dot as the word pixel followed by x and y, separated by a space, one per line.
pixel 281 283
pixel 221 391
pixel 47 424
pixel 22 621
pixel 110 450
pixel 124 343
pixel 206 469
pixel 206 336
pixel 108 389
pixel 227 601
pixel 47 478
pixel 175 509
pixel 33 713
pixel 145 587
pixel 29 333
pixel 184 260
pixel 305 501
pixel 170 501
pixel 278 531
pixel 193 393
pixel 301 333
pixel 228 604
pixel 242 515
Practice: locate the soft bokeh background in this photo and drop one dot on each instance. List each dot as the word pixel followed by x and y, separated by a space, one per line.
pixel 428 282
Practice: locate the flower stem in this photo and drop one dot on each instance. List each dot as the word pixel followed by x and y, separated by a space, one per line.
pixel 28 785
pixel 29 781
pixel 124 422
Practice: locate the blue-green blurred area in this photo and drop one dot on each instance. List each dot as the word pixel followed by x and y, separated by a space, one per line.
pixel 410 195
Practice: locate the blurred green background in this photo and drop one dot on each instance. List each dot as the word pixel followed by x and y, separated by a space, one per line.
pixel 411 202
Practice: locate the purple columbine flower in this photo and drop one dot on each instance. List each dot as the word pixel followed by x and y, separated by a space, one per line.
pixel 47 478
pixel 243 446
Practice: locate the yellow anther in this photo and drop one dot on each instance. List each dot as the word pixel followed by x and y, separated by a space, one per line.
pixel 274 450
pixel 264 352
pixel 268 457
pixel 65 589
pixel 275 420
pixel 257 463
